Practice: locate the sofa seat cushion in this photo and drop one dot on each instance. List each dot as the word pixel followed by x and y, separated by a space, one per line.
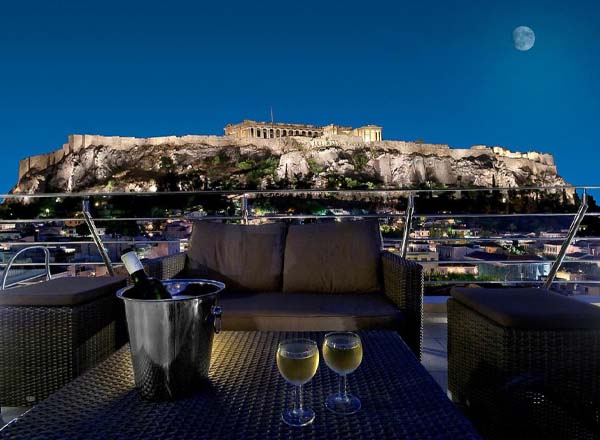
pixel 308 311
pixel 529 308
pixel 68 291
pixel 336 257
pixel 244 257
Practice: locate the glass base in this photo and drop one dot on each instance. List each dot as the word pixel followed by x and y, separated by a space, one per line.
pixel 298 417
pixel 340 404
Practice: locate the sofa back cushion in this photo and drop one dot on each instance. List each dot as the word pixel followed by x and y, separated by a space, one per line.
pixel 332 257
pixel 244 257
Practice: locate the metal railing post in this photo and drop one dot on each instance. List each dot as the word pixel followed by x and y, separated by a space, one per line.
pixel 245 211
pixel 410 209
pixel 568 240
pixel 96 237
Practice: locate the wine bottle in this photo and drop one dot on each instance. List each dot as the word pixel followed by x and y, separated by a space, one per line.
pixel 144 287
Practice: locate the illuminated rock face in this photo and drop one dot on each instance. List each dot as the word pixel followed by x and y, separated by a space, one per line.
pixel 91 162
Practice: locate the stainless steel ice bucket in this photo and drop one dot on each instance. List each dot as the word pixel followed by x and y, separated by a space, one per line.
pixel 171 340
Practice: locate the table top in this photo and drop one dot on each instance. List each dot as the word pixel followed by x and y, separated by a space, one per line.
pixel 400 400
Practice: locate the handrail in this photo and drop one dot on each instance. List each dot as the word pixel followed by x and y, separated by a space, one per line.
pixel 297 216
pixel 14 257
pixel 241 192
pixel 73 242
pixel 471 262
pixel 491 239
pixel 385 240
pixel 511 282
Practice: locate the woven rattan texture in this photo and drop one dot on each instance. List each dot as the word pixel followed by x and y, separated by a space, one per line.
pixel 403 284
pixel 400 400
pixel 545 382
pixel 43 348
pixel 167 267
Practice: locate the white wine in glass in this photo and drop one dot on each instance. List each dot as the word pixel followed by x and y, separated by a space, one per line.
pixel 298 360
pixel 343 353
pixel 343 358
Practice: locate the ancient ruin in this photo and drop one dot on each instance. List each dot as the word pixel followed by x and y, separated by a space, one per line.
pixel 273 130
pixel 298 149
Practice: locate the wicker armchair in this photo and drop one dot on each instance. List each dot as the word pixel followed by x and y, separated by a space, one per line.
pixel 402 281
pixel 403 284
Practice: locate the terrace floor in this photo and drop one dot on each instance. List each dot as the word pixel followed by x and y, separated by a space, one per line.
pixel 435 342
pixel 435 347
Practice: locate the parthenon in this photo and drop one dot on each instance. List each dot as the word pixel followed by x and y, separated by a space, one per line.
pixel 272 130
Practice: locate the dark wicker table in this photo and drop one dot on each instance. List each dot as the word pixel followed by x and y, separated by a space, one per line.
pixel 400 399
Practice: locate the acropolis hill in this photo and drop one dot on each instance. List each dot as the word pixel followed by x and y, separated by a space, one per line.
pixel 293 150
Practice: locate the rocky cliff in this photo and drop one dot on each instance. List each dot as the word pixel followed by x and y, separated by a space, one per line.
pixel 99 163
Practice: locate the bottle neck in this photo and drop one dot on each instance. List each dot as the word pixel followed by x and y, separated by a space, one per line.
pixel 139 276
pixel 132 263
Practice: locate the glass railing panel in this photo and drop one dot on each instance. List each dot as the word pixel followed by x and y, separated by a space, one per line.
pixel 459 235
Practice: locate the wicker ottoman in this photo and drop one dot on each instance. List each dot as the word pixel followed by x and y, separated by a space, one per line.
pixel 526 362
pixel 53 331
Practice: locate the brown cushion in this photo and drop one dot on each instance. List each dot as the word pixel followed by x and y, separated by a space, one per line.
pixel 529 308
pixel 62 291
pixel 308 312
pixel 332 257
pixel 248 257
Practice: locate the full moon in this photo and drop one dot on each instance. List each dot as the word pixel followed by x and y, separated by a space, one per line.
pixel 524 38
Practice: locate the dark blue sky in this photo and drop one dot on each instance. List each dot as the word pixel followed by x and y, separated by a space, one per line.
pixel 444 71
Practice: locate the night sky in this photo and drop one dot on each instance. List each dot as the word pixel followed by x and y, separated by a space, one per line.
pixel 443 71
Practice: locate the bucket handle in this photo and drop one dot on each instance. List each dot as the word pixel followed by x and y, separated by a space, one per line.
pixel 217 312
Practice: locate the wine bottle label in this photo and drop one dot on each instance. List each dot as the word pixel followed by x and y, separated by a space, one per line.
pixel 132 262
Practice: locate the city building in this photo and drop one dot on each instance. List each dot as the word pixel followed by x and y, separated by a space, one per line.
pixel 510 267
pixel 458 269
pixel 454 252
pixel 420 233
pixel 177 230
pixel 553 248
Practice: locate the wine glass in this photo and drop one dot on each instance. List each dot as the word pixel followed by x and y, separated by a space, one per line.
pixel 343 353
pixel 298 360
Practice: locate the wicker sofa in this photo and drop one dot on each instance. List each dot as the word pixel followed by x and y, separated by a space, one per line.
pixel 309 277
pixel 526 362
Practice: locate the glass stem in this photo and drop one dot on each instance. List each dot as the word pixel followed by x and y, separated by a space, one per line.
pixel 299 391
pixel 343 386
